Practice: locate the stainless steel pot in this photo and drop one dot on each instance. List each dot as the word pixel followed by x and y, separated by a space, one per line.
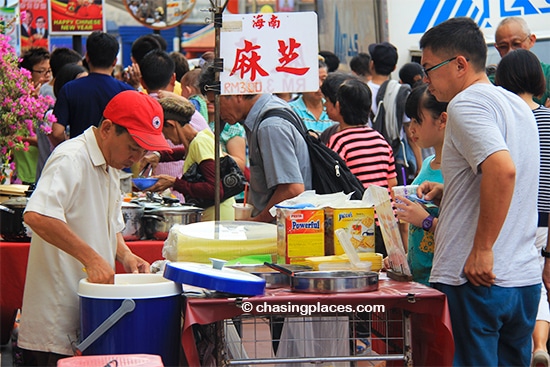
pixel 158 221
pixel 330 281
pixel 11 220
pixel 133 215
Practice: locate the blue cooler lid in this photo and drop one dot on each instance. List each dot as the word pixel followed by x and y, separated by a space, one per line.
pixel 221 280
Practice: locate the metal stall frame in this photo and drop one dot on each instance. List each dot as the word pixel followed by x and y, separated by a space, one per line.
pixel 422 327
pixel 242 341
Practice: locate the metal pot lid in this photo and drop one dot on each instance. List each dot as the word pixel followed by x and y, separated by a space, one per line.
pixel 337 274
pixel 176 209
pixel 130 205
pixel 221 280
pixel 18 202
pixel 263 269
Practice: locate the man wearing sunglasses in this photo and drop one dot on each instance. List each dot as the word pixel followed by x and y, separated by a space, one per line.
pixel 485 258
pixel 513 33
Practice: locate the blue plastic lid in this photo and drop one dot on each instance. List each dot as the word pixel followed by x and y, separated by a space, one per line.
pixel 221 280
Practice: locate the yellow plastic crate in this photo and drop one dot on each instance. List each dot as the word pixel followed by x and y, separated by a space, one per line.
pixel 375 258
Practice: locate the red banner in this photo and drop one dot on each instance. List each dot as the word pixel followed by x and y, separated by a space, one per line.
pixel 76 16
pixel 34 24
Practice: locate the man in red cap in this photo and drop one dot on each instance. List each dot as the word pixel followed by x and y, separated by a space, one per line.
pixel 76 220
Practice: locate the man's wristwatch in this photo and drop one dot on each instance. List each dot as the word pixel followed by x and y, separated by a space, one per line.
pixel 428 223
pixel 544 253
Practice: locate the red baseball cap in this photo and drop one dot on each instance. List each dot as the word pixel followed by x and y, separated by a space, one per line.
pixel 141 115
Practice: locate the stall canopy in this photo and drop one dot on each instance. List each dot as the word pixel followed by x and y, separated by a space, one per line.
pixel 196 43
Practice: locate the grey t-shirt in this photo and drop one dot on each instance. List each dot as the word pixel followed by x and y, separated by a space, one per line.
pixel 484 119
pixel 277 152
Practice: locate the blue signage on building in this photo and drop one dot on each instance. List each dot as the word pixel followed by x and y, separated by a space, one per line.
pixel 434 12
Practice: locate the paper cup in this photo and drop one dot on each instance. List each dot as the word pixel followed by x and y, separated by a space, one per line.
pixel 242 211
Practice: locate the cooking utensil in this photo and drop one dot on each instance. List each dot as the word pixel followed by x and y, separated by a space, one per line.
pixel 222 280
pixel 348 247
pixel 11 220
pixel 147 169
pixel 273 278
pixel 330 281
pixel 133 219
pixel 158 221
pixel 351 252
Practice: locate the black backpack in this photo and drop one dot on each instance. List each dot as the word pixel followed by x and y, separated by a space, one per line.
pixel 329 172
pixel 379 120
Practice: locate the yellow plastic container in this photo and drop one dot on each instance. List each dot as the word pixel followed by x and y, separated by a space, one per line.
pixel 374 258
pixel 227 240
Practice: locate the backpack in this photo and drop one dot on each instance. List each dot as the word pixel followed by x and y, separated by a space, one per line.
pixel 329 172
pixel 379 120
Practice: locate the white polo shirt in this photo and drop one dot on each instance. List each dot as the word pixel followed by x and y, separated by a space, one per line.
pixel 78 188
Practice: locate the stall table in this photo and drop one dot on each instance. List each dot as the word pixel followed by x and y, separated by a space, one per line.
pixel 432 340
pixel 13 268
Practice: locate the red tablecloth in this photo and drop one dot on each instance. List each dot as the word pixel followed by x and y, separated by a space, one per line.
pixel 433 343
pixel 13 268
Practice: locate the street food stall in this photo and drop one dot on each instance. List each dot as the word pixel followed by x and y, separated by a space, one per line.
pixel 430 341
pixel 244 314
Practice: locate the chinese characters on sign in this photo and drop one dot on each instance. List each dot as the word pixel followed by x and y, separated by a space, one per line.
pixel 267 53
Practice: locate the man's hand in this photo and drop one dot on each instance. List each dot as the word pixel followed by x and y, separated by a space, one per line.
pixel 99 271
pixel 479 267
pixel 131 262
pixel 134 264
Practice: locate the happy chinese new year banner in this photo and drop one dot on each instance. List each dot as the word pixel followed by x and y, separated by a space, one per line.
pixel 74 17
pixel 269 53
pixel 34 24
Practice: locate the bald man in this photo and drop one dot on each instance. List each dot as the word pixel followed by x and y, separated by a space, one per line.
pixel 513 33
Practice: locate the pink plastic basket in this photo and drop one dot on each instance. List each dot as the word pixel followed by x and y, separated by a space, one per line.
pixel 122 360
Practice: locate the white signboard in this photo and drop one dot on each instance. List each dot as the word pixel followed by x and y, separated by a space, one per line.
pixel 269 53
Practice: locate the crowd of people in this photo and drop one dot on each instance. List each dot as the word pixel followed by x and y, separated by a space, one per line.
pixel 480 154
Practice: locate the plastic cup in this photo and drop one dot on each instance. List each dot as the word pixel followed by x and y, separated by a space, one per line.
pixel 243 211
pixel 404 190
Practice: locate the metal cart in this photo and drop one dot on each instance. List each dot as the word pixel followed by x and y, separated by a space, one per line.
pixel 339 339
pixel 412 323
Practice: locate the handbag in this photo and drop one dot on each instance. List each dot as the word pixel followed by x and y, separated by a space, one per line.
pixel 232 178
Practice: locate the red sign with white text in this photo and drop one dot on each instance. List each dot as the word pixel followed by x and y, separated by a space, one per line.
pixel 269 53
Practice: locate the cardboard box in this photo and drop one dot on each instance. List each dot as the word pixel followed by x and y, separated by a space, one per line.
pixel 358 222
pixel 300 234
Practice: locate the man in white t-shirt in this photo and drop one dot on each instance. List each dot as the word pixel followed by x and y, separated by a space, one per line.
pixel 76 219
pixel 485 258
